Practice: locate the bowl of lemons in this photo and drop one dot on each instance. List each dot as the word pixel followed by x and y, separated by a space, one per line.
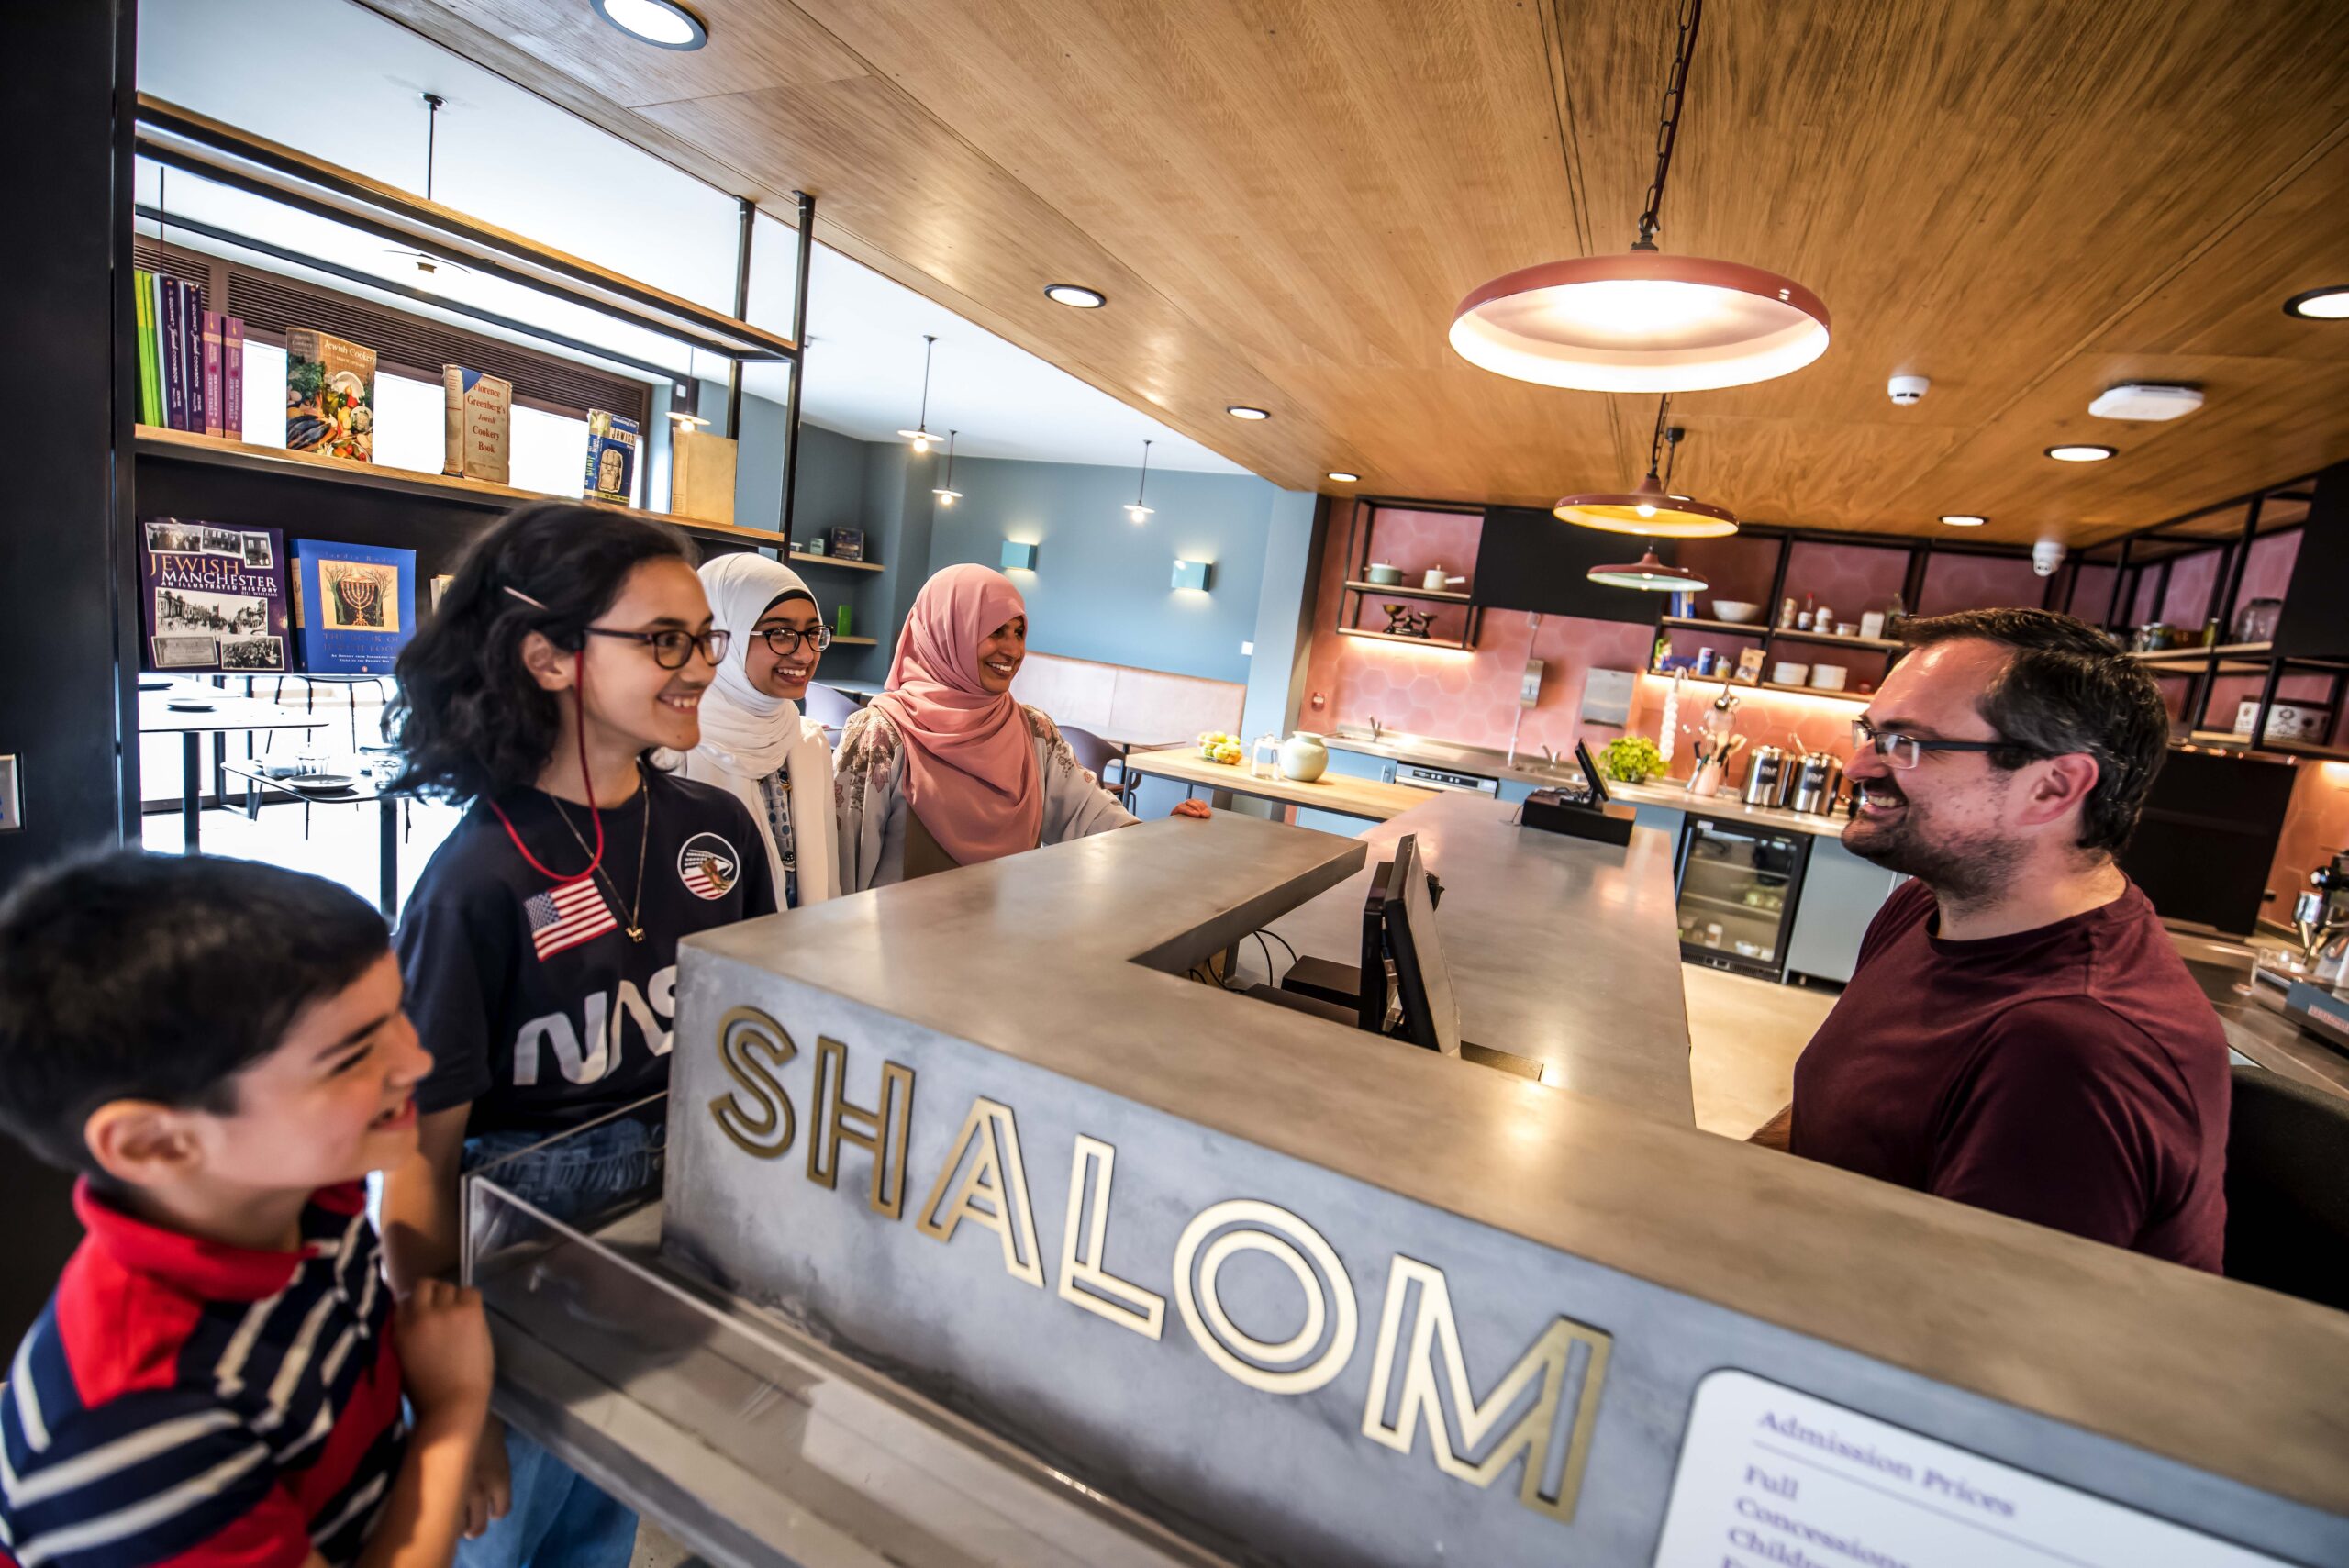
pixel 1215 746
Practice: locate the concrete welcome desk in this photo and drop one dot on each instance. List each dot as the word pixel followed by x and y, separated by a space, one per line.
pixel 990 1237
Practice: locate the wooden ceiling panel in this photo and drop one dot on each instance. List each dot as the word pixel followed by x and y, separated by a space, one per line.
pixel 1284 199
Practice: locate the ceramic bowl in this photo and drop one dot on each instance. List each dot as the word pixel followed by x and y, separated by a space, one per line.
pixel 1739 611
pixel 1786 673
pixel 1826 677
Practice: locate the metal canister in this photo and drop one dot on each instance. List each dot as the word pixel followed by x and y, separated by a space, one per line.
pixel 1815 779
pixel 1765 775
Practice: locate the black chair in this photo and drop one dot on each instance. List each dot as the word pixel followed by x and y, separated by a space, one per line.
pixel 2287 1203
pixel 828 707
pixel 1099 755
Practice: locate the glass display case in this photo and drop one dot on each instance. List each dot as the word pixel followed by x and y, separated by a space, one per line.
pixel 1738 889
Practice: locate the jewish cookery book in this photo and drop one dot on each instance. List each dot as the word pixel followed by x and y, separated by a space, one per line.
pixel 330 396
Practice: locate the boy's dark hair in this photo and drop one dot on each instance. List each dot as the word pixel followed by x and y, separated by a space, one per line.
pixel 469 719
pixel 159 977
pixel 2067 688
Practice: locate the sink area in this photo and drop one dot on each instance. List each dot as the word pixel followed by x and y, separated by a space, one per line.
pixel 1404 746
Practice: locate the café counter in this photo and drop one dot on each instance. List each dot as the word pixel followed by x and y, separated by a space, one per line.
pixel 992 1234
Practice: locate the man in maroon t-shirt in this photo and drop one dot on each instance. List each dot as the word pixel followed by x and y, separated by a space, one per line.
pixel 2020 1033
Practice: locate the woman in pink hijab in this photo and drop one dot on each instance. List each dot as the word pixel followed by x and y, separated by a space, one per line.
pixel 946 768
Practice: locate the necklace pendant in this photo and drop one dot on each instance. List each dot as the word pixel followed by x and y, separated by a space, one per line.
pixel 636 933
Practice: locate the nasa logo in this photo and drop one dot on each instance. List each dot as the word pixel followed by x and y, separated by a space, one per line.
pixel 708 866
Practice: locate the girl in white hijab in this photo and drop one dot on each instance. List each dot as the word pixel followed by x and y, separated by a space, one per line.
pixel 754 740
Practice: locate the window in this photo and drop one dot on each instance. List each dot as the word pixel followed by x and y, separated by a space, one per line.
pixel 548 451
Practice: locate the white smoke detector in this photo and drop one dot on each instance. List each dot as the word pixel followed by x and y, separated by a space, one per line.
pixel 2146 401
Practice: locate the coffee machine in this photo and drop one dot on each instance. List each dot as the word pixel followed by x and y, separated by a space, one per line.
pixel 2320 916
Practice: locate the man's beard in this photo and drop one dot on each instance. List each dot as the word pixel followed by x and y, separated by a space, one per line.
pixel 1960 867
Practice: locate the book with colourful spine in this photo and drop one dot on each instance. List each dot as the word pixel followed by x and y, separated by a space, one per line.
pixel 212 399
pixel 354 605
pixel 191 352
pixel 143 301
pixel 175 405
pixel 212 597
pixel 232 377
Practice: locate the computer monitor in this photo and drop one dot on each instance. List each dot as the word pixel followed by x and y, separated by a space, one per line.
pixel 1422 980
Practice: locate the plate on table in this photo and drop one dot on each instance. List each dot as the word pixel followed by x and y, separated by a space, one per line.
pixel 154 685
pixel 188 704
pixel 319 783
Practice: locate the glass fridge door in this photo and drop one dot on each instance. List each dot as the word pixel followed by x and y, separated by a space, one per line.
pixel 1738 887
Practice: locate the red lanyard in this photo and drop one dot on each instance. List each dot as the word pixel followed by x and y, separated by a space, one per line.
pixel 579 712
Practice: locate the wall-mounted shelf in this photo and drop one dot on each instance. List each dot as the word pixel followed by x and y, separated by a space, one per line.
pixel 1732 628
pixel 220 451
pixel 1860 697
pixel 1407 641
pixel 855 642
pixel 1875 644
pixel 806 560
pixel 1396 591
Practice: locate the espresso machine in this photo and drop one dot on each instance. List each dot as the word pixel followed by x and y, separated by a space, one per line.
pixel 2320 920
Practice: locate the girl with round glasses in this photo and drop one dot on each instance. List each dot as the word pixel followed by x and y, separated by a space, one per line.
pixel 755 743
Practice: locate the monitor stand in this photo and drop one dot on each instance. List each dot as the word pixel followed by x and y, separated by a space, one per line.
pixel 1327 989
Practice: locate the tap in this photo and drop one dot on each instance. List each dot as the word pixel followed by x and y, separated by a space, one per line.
pixel 1549 757
pixel 1376 728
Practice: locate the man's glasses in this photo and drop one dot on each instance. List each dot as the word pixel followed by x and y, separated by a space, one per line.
pixel 785 640
pixel 1906 752
pixel 671 649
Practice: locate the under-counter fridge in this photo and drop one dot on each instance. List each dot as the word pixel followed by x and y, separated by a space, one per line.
pixel 1739 886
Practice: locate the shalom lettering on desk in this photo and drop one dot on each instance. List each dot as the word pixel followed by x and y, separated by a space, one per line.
pixel 984 1181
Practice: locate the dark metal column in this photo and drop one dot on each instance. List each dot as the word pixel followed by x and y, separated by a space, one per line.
pixel 750 212
pixel 799 365
pixel 2235 566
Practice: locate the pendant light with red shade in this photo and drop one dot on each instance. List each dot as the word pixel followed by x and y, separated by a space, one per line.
pixel 1644 321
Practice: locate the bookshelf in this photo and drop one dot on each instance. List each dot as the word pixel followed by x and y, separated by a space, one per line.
pixel 218 452
pixel 804 559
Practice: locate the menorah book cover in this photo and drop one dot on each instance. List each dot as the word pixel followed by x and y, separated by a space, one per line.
pixel 354 605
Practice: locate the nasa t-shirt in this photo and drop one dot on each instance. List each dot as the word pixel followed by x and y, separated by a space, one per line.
pixel 536 1003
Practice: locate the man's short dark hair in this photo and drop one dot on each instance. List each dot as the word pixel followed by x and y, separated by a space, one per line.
pixel 159 977
pixel 2067 688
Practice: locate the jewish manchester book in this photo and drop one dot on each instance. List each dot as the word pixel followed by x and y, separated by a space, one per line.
pixel 354 607
pixel 213 597
pixel 611 457
pixel 479 421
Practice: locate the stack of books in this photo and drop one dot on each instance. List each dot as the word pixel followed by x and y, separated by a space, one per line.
pixel 191 359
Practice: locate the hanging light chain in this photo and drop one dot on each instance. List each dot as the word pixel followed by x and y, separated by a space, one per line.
pixel 1667 130
pixel 928 343
pixel 1143 488
pixel 1672 434
pixel 1655 441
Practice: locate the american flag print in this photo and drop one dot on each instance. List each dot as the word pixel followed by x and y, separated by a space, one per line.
pixel 708 866
pixel 564 917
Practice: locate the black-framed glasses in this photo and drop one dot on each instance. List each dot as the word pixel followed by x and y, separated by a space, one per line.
pixel 785 640
pixel 671 649
pixel 1905 752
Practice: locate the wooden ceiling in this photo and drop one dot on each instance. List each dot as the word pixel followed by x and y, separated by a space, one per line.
pixel 2027 200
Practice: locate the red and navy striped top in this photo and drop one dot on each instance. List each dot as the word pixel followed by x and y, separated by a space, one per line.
pixel 183 1402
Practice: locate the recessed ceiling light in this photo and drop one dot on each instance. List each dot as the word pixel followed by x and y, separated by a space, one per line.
pixel 2328 304
pixel 2078 453
pixel 1077 295
pixel 663 23
pixel 1342 477
pixel 1963 521
pixel 1242 411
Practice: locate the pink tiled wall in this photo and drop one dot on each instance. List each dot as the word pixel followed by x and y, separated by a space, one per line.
pixel 2266 574
pixel 2092 593
pixel 1848 579
pixel 1467 697
pixel 2316 828
pixel 1977 583
pixel 2193 583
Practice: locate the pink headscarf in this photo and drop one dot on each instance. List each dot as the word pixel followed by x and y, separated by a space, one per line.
pixel 971 770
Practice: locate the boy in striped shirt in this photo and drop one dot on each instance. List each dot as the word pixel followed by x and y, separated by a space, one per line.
pixel 219 1047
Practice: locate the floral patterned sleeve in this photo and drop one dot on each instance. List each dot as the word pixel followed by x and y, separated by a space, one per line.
pixel 868 773
pixel 1075 804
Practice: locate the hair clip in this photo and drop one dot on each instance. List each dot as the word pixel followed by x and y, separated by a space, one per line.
pixel 524 597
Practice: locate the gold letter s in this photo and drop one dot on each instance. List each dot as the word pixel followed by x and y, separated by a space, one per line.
pixel 768 1131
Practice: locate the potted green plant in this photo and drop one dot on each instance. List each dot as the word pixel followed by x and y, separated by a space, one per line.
pixel 1630 759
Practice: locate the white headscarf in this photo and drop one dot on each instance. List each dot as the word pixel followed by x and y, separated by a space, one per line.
pixel 747 735
pixel 754 731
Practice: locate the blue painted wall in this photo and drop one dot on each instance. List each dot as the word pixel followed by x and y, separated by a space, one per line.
pixel 1101 587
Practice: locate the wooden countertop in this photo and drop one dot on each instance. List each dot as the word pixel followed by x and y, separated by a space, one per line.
pixel 1330 791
